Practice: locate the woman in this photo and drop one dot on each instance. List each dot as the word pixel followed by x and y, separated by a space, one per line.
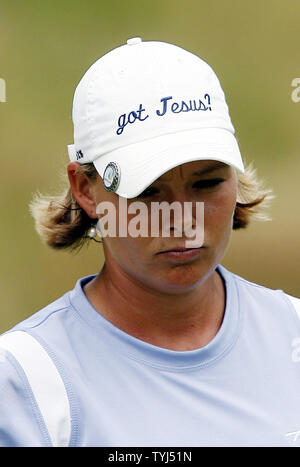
pixel 164 346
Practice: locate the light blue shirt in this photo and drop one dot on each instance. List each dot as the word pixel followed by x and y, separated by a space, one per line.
pixel 242 389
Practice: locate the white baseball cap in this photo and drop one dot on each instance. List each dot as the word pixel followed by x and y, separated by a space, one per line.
pixel 146 107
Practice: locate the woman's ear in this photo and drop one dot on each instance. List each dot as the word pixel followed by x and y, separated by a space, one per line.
pixel 82 189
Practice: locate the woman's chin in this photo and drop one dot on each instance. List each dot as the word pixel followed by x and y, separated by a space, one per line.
pixel 181 279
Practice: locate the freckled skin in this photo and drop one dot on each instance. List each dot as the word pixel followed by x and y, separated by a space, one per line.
pixel 178 306
pixel 137 256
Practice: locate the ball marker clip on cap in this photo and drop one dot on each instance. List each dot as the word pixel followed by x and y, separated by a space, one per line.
pixel 111 176
pixel 146 107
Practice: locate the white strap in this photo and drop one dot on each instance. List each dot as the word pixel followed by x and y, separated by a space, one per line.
pixel 296 303
pixel 45 381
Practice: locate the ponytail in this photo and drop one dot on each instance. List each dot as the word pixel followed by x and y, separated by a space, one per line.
pixel 59 220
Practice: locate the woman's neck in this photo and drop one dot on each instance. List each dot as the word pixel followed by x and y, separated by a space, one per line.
pixel 177 322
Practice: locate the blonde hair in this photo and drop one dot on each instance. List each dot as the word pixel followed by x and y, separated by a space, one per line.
pixel 62 223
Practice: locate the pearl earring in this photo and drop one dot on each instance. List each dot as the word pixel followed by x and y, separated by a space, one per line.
pixel 92 233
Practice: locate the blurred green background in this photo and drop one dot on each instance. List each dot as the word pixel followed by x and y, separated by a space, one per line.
pixel 46 46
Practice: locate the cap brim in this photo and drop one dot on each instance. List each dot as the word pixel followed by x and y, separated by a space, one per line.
pixel 142 163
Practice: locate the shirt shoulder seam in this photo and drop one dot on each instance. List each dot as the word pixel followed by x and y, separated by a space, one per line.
pixel 26 326
pixel 290 304
pixel 252 284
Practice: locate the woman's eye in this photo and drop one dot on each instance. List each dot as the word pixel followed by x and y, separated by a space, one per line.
pixel 148 192
pixel 211 182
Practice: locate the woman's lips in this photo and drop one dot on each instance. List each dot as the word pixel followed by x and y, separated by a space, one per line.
pixel 181 254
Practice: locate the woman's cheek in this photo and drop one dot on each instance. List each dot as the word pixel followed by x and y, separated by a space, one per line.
pixel 218 213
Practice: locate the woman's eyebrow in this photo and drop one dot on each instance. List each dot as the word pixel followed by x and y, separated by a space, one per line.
pixel 209 169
